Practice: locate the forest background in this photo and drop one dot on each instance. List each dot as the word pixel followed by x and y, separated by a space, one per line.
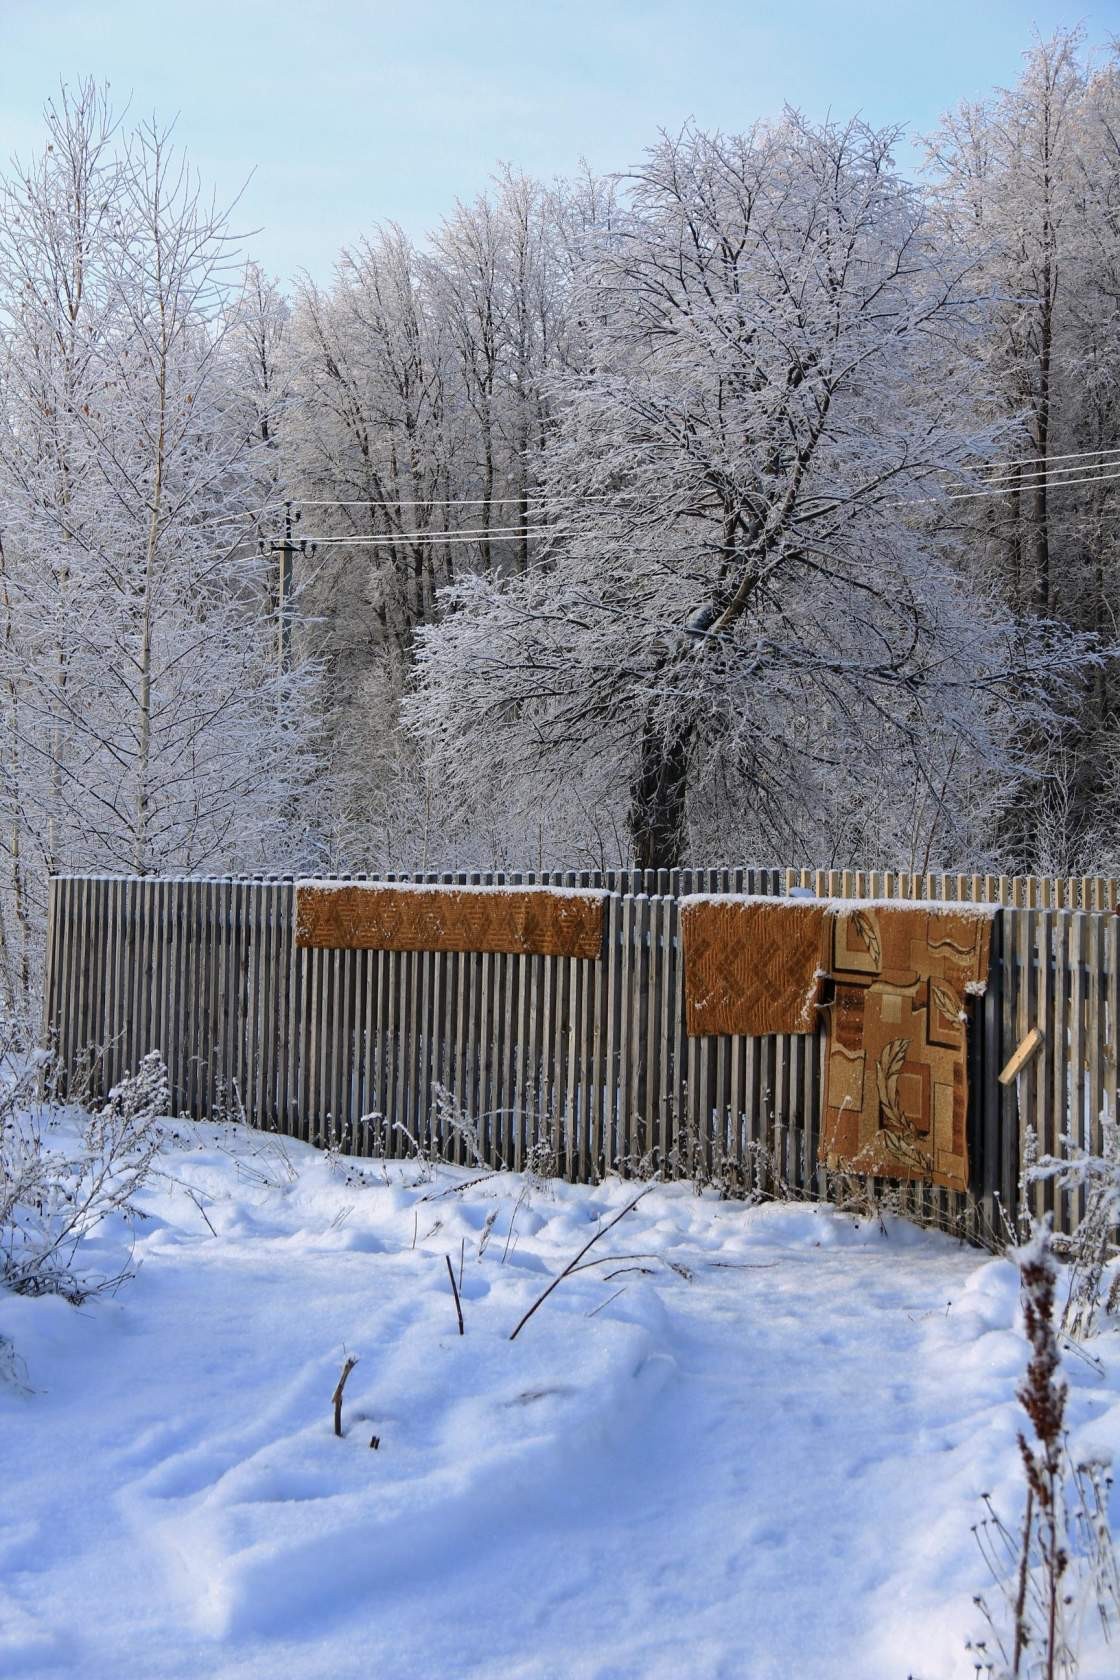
pixel 755 504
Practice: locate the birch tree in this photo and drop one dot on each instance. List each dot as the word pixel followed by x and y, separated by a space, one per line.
pixel 148 724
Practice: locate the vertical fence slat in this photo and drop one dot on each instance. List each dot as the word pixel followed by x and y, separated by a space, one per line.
pixel 63 1022
pixel 282 905
pixel 1076 1121
pixel 1059 1065
pixel 1042 1074
pixel 1094 1031
pixel 1111 1072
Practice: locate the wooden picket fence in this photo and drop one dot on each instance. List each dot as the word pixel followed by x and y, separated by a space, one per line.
pixel 584 1063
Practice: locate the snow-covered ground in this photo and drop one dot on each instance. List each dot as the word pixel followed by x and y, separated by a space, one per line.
pixel 750 1445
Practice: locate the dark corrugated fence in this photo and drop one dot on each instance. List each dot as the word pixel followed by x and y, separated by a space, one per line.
pixel 586 1065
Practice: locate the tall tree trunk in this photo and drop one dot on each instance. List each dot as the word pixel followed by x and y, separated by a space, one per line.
pixel 1045 354
pixel 658 809
pixel 1041 508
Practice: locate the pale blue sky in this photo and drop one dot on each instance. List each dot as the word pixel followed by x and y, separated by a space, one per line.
pixel 357 110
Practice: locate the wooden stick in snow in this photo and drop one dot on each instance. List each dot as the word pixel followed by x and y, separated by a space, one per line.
pixel 572 1264
pixel 336 1398
pixel 455 1292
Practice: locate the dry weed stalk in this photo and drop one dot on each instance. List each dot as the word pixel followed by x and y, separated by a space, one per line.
pixel 1062 1559
pixel 574 1263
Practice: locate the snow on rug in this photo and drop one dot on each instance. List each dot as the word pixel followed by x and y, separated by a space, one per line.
pixel 750 1445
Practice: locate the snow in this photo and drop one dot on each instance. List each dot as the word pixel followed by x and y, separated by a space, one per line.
pixel 758 1455
pixel 438 889
pixel 966 909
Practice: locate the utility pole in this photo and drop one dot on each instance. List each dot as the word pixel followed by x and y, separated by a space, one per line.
pixel 285 551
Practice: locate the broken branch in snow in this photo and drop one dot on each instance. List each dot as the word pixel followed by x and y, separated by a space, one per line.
pixel 572 1264
pixel 336 1398
pixel 455 1292
pixel 456 1189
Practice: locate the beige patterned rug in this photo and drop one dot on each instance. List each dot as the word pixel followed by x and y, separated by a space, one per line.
pixel 896 1086
pixel 896 1079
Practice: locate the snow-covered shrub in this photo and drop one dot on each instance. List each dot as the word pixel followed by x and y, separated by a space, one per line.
pixel 449 1119
pixel 1093 1244
pixel 541 1166
pixel 55 1189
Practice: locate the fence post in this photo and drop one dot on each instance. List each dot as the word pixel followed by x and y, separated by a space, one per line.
pixel 991 1114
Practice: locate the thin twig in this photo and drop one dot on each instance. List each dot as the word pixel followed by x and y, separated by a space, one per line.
pixel 336 1398
pixel 605 1260
pixel 571 1266
pixel 202 1211
pixel 454 1189
pixel 512 1220
pixel 455 1292
pixel 606 1303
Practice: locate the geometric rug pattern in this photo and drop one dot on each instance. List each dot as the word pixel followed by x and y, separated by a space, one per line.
pixel 374 916
pixel 752 966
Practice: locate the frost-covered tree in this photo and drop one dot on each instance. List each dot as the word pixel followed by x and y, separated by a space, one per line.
pixel 632 499
pixel 749 592
pixel 420 417
pixel 1029 182
pixel 146 723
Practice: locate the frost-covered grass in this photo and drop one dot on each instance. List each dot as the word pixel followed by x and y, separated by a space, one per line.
pixel 751 1445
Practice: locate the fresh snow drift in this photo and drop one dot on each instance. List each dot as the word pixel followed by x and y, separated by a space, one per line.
pixel 750 1445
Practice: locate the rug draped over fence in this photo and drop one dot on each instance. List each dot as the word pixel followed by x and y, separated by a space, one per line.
pixel 751 966
pixel 526 921
pixel 896 1086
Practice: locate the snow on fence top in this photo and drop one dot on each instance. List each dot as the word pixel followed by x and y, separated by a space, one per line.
pixel 595 894
pixel 415 916
pixel 965 908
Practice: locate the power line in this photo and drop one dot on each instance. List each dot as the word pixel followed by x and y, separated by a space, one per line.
pixel 1000 467
pixel 1063 479
pixel 388 539
pixel 997 470
pixel 516 532
pixel 446 502
pixel 1027 481
pixel 1013 489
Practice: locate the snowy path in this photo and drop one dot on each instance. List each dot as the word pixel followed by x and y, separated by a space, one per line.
pixel 767 1467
